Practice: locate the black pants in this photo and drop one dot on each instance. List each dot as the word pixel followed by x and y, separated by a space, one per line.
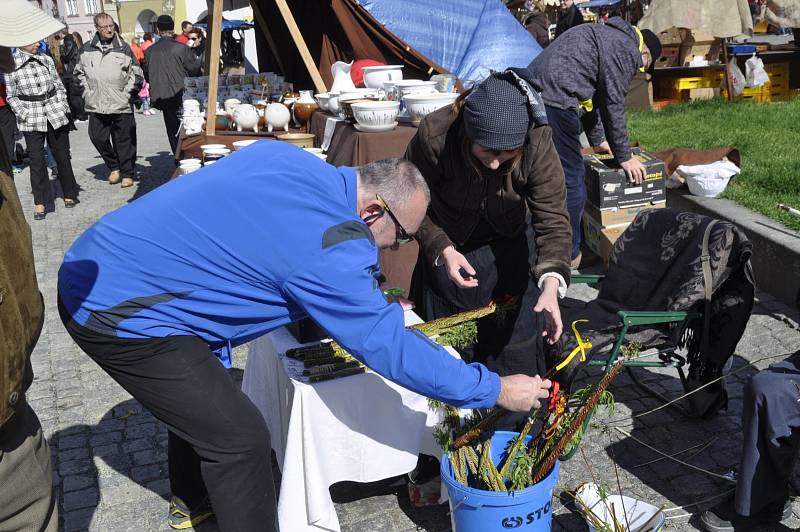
pixel 58 140
pixel 509 345
pixel 171 109
pixel 111 136
pixel 771 430
pixel 566 126
pixel 219 444
pixel 8 131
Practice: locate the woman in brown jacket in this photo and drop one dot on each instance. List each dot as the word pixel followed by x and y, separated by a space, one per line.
pixel 491 166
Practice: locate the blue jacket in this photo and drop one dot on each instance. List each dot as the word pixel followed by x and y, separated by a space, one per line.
pixel 264 237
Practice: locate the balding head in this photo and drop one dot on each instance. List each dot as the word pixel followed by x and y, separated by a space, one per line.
pixel 391 187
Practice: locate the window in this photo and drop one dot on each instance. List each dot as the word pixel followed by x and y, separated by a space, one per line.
pixel 91 7
pixel 72 8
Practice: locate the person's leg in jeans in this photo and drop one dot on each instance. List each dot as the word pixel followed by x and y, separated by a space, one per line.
pixel 40 181
pixel 58 139
pixel 100 135
pixel 566 126
pixel 121 129
pixel 183 384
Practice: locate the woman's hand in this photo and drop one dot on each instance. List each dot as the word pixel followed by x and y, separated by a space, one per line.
pixel 548 303
pixel 455 262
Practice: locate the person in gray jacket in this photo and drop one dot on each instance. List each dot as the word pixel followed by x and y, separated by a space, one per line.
pixel 584 76
pixel 110 77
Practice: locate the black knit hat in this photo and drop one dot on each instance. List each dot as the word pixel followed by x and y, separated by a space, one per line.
pixel 165 23
pixel 496 114
pixel 654 45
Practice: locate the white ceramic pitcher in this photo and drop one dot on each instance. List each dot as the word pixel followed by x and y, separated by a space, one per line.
pixel 341 76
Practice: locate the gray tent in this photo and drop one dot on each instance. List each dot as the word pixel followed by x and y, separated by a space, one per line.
pixel 721 18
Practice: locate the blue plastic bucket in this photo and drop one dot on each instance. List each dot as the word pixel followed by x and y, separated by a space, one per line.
pixel 474 510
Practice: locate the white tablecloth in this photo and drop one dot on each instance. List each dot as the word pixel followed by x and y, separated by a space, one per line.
pixel 360 428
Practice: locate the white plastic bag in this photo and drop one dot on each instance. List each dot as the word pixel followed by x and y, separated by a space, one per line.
pixel 737 78
pixel 708 180
pixel 756 75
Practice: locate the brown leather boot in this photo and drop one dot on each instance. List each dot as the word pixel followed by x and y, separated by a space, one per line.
pixel 114 177
pixel 127 182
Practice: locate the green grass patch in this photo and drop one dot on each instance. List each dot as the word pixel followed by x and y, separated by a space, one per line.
pixel 767 135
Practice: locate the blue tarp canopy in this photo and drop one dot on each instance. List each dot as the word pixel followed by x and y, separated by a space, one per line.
pixel 467 37
pixel 228 25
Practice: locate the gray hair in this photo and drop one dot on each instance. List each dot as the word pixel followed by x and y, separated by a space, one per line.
pixel 395 179
pixel 102 16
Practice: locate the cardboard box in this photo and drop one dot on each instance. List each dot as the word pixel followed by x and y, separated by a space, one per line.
pixel 618 215
pixel 607 186
pixel 640 93
pixel 672 36
pixel 707 49
pixel 670 54
pixel 601 239
pixel 694 95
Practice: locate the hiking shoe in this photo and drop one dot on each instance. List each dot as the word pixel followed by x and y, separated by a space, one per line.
pixel 723 517
pixel 114 177
pixel 127 182
pixel 180 518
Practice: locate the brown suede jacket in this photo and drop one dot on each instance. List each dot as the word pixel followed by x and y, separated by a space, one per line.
pixel 459 193
pixel 21 306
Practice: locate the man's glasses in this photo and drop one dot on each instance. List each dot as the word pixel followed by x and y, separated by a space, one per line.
pixel 402 236
pixel 106 27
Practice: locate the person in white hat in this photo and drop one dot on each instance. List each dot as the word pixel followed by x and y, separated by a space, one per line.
pixel 26 491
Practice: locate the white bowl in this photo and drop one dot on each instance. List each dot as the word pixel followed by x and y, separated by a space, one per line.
pixel 322 100
pixel 375 76
pixel 241 144
pixel 205 147
pixel 333 102
pixel 419 105
pixel 376 113
pixel 350 94
pixel 414 86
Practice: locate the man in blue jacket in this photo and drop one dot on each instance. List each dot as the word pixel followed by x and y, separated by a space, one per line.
pixel 266 236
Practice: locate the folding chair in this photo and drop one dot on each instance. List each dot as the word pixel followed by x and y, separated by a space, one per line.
pixel 676 280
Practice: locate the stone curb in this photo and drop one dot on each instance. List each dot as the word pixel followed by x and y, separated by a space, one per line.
pixel 776 248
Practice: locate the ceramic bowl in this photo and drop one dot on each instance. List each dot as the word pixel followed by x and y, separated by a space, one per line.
pixel 242 144
pixel 303 140
pixel 205 147
pixel 414 86
pixel 376 76
pixel 322 100
pixel 358 93
pixel 345 106
pixel 419 105
pixel 375 113
pixel 333 102
pixel 317 152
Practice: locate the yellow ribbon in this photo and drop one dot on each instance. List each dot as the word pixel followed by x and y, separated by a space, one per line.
pixel 580 348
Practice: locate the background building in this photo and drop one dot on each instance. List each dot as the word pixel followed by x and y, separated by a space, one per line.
pixel 78 14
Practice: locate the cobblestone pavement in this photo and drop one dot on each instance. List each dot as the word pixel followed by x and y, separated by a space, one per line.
pixel 109 456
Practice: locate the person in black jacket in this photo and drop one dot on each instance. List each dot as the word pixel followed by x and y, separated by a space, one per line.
pixel 167 62
pixel 570 17
pixel 70 55
pixel 583 77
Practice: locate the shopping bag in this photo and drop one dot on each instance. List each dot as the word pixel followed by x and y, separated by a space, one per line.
pixel 756 75
pixel 737 78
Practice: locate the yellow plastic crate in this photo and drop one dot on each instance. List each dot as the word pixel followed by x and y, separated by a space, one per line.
pixel 709 81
